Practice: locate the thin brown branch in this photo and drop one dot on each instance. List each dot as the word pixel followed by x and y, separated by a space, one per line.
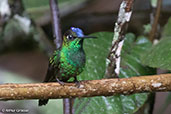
pixel 68 106
pixel 58 36
pixel 156 20
pixel 104 87
pixel 113 60
pixel 56 23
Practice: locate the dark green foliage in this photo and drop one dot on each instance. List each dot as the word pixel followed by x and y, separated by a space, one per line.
pixel 96 52
pixel 159 56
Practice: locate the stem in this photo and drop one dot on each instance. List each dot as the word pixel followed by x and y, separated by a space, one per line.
pixel 57 33
pixel 56 23
pixel 68 105
pixel 155 23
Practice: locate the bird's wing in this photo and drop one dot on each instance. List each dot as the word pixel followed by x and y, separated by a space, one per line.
pixel 53 67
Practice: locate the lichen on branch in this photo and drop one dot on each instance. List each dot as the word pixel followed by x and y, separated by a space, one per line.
pixel 113 59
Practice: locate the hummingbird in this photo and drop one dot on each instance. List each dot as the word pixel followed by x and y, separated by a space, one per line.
pixel 68 61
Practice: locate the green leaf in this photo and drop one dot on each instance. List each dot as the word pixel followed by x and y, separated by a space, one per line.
pixel 154 3
pixel 147 28
pixel 96 53
pixel 159 56
pixel 167 29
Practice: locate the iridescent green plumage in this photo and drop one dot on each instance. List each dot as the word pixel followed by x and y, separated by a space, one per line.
pixel 67 62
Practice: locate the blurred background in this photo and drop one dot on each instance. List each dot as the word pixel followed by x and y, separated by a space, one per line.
pixel 27 42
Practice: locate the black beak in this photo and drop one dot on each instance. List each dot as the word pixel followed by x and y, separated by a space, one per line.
pixel 88 37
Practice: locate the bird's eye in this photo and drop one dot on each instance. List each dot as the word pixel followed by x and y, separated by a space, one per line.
pixel 70 37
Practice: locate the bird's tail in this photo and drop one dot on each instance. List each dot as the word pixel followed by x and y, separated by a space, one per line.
pixel 47 79
pixel 43 102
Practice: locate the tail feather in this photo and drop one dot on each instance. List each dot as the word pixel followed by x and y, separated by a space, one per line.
pixel 43 102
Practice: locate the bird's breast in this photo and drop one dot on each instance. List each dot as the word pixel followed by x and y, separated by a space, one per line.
pixel 72 62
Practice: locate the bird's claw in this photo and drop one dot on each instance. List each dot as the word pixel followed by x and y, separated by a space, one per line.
pixel 77 84
pixel 60 82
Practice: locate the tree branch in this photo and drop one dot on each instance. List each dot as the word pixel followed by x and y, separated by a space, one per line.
pixel 113 60
pixel 104 87
pixel 56 23
pixel 58 41
pixel 153 31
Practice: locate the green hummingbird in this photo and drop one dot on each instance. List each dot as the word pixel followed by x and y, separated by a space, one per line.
pixel 68 61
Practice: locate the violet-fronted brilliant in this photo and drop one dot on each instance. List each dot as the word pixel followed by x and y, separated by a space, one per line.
pixel 68 61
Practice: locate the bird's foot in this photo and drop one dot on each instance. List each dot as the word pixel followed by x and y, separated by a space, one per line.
pixel 77 82
pixel 60 82
pixel 117 77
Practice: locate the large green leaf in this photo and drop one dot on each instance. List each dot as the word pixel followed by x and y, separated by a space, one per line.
pixel 96 51
pixel 159 56
pixel 167 29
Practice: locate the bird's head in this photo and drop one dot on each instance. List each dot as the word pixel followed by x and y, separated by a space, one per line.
pixel 74 37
